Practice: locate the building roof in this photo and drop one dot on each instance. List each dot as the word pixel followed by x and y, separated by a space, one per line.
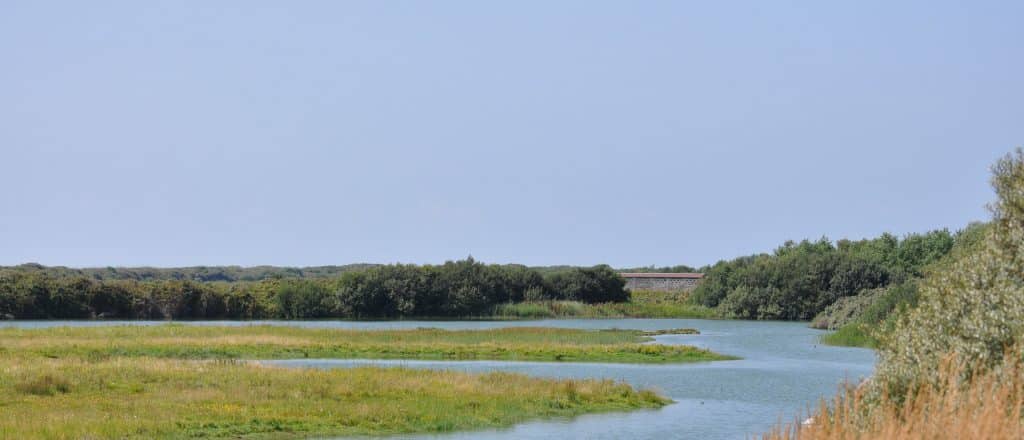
pixel 662 275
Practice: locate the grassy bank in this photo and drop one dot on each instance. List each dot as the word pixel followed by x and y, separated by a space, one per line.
pixel 276 342
pixel 642 304
pixel 165 398
pixel 851 335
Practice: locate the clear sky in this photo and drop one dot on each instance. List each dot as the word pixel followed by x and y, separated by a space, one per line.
pixel 541 132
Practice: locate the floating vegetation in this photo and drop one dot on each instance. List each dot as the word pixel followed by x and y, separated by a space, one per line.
pixel 672 331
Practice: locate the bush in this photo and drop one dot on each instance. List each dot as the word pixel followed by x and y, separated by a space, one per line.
pixel 297 299
pixel 974 311
pixel 598 284
pixel 847 310
pixel 454 289
pixel 800 280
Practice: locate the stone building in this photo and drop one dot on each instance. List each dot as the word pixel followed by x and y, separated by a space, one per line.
pixel 662 281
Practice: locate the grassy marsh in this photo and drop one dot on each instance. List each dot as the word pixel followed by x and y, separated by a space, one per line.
pixel 171 398
pixel 278 342
pixel 187 381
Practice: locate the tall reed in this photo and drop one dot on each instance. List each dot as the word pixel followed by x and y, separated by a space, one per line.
pixel 989 406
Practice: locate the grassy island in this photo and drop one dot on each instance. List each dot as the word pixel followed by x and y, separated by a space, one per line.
pixel 278 342
pixel 672 331
pixel 163 398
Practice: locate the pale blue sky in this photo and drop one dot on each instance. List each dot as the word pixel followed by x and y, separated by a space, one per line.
pixel 630 133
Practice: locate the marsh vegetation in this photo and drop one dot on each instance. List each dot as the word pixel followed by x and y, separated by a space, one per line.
pixel 144 398
pixel 278 342
pixel 642 304
pixel 172 381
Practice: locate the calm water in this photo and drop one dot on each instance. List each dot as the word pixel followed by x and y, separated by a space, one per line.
pixel 784 371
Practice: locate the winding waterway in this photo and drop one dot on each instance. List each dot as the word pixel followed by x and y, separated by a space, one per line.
pixel 783 371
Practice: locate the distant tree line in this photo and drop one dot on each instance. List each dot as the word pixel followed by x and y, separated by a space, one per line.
pixel 795 282
pixel 453 289
pixel 195 273
pixel 799 280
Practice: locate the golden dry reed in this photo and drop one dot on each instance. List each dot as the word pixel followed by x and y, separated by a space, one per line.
pixel 988 407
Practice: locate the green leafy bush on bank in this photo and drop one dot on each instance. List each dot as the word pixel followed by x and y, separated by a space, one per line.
pixel 846 310
pixel 863 319
pixel 799 280
pixel 953 366
pixel 974 311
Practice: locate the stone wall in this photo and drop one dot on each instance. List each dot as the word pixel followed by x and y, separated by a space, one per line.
pixel 665 284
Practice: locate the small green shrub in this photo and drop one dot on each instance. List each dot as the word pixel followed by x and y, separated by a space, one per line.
pixel 851 335
pixel 846 310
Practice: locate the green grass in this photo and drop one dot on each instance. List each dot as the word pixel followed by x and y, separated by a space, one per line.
pixel 851 335
pixel 145 398
pixel 643 304
pixel 183 381
pixel 278 342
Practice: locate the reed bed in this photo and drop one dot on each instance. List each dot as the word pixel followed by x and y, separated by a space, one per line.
pixel 987 407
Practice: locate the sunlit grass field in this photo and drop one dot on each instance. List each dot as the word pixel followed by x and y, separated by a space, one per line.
pixel 280 342
pixel 75 398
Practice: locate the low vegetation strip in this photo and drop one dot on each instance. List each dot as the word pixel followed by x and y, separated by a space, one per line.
pixel 146 398
pixel 672 331
pixel 642 304
pixel 275 342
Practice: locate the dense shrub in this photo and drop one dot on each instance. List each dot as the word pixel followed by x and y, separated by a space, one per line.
pixel 848 310
pixel 296 299
pixel 799 280
pixel 974 311
pixel 953 366
pixel 456 288
pixel 598 284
